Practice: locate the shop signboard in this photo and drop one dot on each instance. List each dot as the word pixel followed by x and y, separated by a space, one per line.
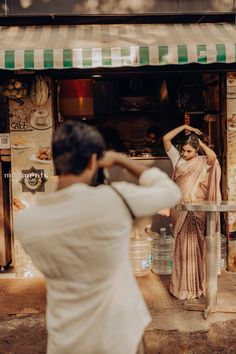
pixel 106 7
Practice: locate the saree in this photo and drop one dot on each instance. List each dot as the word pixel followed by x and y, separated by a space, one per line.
pixel 198 181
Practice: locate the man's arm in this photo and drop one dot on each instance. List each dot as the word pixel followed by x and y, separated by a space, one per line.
pixel 155 191
pixel 112 158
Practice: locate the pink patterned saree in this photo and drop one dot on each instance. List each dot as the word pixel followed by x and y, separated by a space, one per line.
pixel 198 181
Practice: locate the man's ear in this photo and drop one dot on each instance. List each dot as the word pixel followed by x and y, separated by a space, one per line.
pixel 92 164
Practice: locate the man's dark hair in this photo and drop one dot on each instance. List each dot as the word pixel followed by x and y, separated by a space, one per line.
pixel 73 145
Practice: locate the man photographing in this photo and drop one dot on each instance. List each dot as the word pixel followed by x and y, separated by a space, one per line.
pixel 78 237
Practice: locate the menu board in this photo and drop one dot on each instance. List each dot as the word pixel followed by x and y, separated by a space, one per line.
pixel 32 169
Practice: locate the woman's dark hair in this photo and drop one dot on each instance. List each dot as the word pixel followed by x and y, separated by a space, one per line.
pixel 191 139
pixel 73 145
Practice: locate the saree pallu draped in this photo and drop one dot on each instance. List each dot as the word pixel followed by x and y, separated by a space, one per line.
pixel 198 181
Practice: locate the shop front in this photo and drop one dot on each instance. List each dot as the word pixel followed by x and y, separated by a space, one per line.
pixel 123 79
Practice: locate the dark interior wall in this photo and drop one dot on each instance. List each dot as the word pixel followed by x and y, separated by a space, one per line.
pixel 172 96
pixel 130 128
pixel 195 94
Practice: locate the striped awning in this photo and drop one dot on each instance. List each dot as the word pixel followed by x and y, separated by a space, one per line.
pixel 116 45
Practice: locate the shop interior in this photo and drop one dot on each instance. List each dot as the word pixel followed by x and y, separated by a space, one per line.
pixel 124 107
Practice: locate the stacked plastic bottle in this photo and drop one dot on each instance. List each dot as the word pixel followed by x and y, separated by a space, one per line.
pixel 150 235
pixel 162 252
pixel 139 252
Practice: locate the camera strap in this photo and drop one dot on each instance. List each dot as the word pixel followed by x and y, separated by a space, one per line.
pixel 124 200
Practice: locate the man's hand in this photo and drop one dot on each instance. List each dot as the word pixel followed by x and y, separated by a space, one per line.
pixel 112 158
pixel 109 159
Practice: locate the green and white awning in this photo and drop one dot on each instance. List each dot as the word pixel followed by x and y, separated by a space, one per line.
pixel 116 45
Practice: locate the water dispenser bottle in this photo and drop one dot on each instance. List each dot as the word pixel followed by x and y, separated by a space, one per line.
pixel 162 253
pixel 139 252
pixel 150 234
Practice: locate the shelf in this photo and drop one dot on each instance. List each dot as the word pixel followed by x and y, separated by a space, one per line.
pixel 201 112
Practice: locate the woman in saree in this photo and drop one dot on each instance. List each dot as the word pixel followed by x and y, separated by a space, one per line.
pixel 198 177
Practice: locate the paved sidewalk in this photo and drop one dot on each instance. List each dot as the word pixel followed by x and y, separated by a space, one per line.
pixel 22 296
pixel 168 313
pixel 172 331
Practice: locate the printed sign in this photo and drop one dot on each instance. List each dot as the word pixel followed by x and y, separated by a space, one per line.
pixel 4 141
pixel 20 119
pixel 33 180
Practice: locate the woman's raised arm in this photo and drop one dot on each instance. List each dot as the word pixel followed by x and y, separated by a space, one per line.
pixel 210 154
pixel 171 134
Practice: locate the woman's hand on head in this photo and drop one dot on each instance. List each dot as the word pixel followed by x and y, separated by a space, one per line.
pixel 194 130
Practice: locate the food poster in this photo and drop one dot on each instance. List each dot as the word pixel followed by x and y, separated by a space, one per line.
pixel 32 172
pixel 231 165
